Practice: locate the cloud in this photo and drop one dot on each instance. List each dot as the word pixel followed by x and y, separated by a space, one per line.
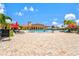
pixel 54 23
pixel 77 21
pixel 25 8
pixel 13 21
pixel 70 16
pixel 2 8
pixel 31 9
pixel 19 14
pixel 8 21
pixel 60 25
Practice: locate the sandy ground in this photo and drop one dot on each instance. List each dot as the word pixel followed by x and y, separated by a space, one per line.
pixel 41 44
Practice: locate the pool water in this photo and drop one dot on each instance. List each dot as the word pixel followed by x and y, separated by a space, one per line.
pixel 40 30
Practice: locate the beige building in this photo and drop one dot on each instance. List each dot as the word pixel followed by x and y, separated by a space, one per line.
pixel 35 26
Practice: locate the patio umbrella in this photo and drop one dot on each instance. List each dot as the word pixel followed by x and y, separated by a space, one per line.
pixel 72 26
pixel 15 26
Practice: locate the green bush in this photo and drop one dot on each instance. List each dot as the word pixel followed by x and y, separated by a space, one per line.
pixel 11 33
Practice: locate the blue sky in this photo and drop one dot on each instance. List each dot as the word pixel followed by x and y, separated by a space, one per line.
pixel 44 13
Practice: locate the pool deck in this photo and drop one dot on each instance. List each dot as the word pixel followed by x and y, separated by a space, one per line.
pixel 41 44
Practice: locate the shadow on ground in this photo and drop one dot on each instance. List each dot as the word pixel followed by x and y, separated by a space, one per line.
pixel 4 39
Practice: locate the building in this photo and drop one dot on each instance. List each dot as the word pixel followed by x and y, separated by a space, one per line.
pixel 35 26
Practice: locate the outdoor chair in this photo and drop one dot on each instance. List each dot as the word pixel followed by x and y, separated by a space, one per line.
pixel 4 34
pixel 67 31
pixel 77 31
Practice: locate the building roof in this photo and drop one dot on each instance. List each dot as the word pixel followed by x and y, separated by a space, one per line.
pixel 38 24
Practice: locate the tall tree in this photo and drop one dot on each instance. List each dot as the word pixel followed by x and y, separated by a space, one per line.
pixel 70 24
pixel 3 20
pixel 66 22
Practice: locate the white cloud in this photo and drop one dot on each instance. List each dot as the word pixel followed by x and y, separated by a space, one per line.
pixel 25 8
pixel 13 21
pixel 2 8
pixel 19 14
pixel 54 23
pixel 77 21
pixel 8 21
pixel 60 25
pixel 31 9
pixel 70 16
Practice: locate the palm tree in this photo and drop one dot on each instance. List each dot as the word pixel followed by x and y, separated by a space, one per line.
pixel 66 22
pixel 7 23
pixel 71 25
pixel 7 17
pixel 3 20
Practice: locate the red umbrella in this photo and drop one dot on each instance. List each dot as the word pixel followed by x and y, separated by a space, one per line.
pixel 72 25
pixel 15 26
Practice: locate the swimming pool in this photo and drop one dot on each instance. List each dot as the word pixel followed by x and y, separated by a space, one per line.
pixel 40 30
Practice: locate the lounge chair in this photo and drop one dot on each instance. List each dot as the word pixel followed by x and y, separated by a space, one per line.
pixel 4 34
pixel 67 31
pixel 77 31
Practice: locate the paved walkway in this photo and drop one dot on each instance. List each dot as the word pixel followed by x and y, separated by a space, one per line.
pixel 57 43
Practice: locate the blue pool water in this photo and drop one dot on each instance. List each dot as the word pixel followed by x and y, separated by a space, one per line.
pixel 40 30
